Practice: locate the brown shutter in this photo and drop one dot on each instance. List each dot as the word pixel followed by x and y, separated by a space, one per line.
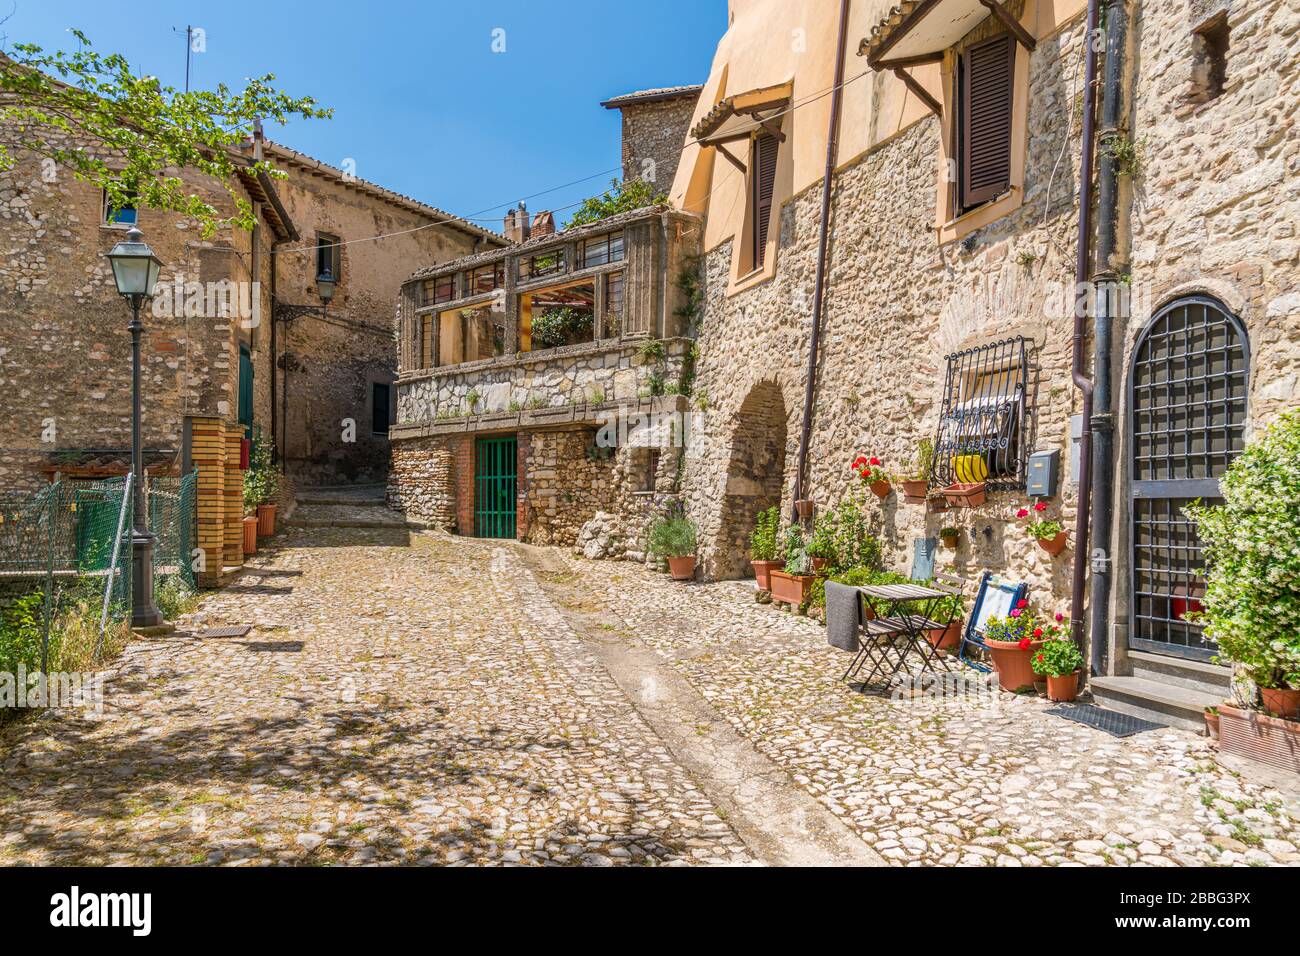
pixel 765 150
pixel 985 119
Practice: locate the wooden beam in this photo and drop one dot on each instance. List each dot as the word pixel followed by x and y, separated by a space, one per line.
pixel 1011 23
pixel 919 91
pixel 732 159
pixel 919 60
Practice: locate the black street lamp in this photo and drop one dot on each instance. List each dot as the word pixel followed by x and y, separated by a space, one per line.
pixel 135 271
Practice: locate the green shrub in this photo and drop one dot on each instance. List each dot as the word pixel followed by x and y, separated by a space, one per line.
pixel 21 624
pixel 849 529
pixel 174 597
pixel 1057 658
pixel 672 537
pixel 563 325
pixel 762 540
pixel 1252 554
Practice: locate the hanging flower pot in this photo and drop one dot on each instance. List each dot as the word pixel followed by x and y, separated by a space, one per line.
pixel 874 475
pixel 936 503
pixel 250 534
pixel 1056 545
pixel 881 489
pixel 915 490
pixel 965 494
pixel 1281 702
pixel 804 508
pixel 949 538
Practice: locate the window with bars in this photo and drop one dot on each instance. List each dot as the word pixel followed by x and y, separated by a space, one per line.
pixel 985 79
pixel 549 263
pixel 486 278
pixel 981 424
pixel 763 183
pixel 602 250
pixel 439 290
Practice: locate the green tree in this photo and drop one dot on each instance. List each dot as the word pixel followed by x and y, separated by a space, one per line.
pixel 129 134
pixel 623 197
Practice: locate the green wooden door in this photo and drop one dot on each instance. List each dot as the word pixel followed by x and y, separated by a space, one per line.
pixel 246 390
pixel 495 481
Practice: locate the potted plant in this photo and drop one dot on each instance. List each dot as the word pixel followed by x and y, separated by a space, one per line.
pixel 1251 604
pixel 1011 642
pixel 875 476
pixel 763 546
pixel 261 484
pixel 949 537
pixel 821 546
pixel 916 485
pixel 968 491
pixel 1212 722
pixel 673 537
pixel 250 534
pixel 952 610
pixel 791 584
pixel 1059 660
pixel 1048 532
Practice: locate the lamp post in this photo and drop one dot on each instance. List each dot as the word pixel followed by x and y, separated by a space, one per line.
pixel 135 271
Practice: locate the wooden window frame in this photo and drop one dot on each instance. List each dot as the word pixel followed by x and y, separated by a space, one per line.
pixel 760 208
pixel 328 244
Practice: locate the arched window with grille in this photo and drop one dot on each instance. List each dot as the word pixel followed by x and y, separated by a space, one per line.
pixel 1187 418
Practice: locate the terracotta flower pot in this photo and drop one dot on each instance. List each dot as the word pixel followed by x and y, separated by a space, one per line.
pixel 881 489
pixel 818 563
pixel 1270 740
pixel 1054 546
pixel 914 492
pixel 250 535
pixel 1064 688
pixel 949 541
pixel 763 571
pixel 804 507
pixel 265 520
pixel 969 494
pixel 1281 702
pixel 683 568
pixel 791 588
pixel 1012 664
pixel 1212 725
pixel 947 638
pixel 936 504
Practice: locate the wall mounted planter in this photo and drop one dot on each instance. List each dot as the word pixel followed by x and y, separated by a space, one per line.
pixel 791 588
pixel 965 494
pixel 1256 736
pixel 949 541
pixel 914 492
pixel 804 508
pixel 881 489
pixel 1054 546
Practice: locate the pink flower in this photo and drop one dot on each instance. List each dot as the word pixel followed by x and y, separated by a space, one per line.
pixel 1059 617
pixel 1016 612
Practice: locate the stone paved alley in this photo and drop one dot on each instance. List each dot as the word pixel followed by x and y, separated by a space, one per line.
pixel 409 698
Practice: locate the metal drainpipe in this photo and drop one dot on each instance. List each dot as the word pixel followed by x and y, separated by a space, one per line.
pixel 1081 553
pixel 823 240
pixel 275 419
pixel 1102 424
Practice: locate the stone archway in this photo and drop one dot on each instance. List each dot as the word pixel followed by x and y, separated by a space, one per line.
pixel 755 476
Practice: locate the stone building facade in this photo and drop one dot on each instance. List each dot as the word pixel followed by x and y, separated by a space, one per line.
pixel 65 350
pixel 655 127
pixel 541 387
pixel 1209 164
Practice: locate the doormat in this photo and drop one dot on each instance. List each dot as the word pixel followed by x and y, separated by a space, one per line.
pixel 235 630
pixel 1111 721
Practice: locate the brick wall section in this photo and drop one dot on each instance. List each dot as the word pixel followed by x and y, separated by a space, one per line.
pixel 463 469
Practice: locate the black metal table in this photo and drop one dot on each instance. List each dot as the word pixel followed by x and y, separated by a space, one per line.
pixel 894 631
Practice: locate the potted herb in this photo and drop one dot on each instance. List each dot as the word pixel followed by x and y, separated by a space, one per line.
pixel 1012 641
pixel 763 547
pixel 261 484
pixel 949 609
pixel 1048 532
pixel 673 537
pixel 791 584
pixel 1058 660
pixel 917 483
pixel 821 546
pixel 968 491
pixel 875 476
pixel 949 537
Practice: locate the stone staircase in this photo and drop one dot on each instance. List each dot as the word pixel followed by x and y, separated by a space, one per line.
pixel 344 506
pixel 1168 690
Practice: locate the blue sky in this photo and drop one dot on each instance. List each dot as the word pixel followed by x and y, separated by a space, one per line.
pixel 422 103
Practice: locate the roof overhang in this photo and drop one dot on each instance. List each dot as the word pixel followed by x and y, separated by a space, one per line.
pixel 742 115
pixel 918 31
pixel 261 188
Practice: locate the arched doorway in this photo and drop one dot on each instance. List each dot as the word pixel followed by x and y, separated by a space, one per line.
pixel 1187 417
pixel 755 474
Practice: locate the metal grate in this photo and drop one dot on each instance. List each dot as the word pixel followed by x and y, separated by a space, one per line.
pixel 983 417
pixel 1110 721
pixel 1187 418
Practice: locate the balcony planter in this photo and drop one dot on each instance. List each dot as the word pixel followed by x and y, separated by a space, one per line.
pixel 683 568
pixel 1063 689
pixel 914 492
pixel 265 520
pixel 763 571
pixel 791 589
pixel 1015 673
pixel 250 534
pixel 1281 702
pixel 804 508
pixel 1054 546
pixel 965 494
pixel 1257 736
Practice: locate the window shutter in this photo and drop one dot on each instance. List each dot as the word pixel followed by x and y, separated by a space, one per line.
pixel 765 150
pixel 985 120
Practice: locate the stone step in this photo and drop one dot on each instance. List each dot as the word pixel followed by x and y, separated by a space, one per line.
pixel 322 499
pixel 1165 703
pixel 1195 675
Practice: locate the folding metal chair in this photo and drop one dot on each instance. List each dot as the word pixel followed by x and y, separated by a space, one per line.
pixel 995 598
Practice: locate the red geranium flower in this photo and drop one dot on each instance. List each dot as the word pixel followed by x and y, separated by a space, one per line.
pixel 1022 603
pixel 1038 632
pixel 1024 643
pixel 1040 506
pixel 1039 658
pixel 859 461
pixel 875 460
pixel 1022 513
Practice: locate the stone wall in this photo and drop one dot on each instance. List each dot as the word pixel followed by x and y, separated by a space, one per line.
pixel 653 134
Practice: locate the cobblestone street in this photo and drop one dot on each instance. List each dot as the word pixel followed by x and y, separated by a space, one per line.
pixel 413 698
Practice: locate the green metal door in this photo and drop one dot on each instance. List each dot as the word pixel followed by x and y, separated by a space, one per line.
pixel 495 480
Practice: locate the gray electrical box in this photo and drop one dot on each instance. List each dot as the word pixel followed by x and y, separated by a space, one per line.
pixel 1043 469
